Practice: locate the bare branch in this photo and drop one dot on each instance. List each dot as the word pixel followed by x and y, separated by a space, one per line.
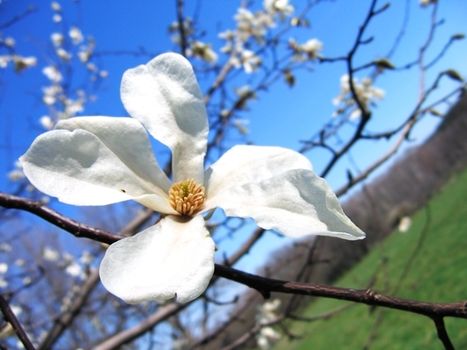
pixel 11 318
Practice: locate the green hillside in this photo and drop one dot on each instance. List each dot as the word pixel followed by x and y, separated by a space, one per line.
pixel 428 262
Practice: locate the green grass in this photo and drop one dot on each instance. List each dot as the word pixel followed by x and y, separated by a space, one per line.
pixel 438 273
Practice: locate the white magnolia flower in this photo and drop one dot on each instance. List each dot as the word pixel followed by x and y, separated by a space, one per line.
pixel 104 160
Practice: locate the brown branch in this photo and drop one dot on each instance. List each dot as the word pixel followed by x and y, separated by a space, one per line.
pixel 442 333
pixel 57 219
pixel 30 10
pixel 263 285
pixel 11 318
pixel 181 27
pixel 363 296
pixel 365 112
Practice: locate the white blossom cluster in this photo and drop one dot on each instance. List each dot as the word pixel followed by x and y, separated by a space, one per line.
pixel 196 48
pixel 367 94
pixel 252 28
pixel 8 56
pixel 74 267
pixel 267 314
pixel 68 45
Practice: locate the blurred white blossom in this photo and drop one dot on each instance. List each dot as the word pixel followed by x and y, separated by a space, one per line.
pixel 5 247
pixel 268 312
pixel 76 35
pixel 266 315
pixel 14 175
pixel 266 338
pixel 248 60
pixel 86 258
pixel 53 74
pixel 404 224
pixel 50 254
pixel 20 262
pixel 57 39
pixel 63 54
pixel 252 29
pixel 203 51
pixel 367 94
pixel 9 42
pixel 46 122
pixel 3 268
pixel 281 7
pixel 55 6
pixel 309 50
pixel 74 270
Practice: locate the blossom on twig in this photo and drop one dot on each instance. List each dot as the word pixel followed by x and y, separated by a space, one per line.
pixel 104 160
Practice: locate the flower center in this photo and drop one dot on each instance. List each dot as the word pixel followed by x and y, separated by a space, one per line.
pixel 186 197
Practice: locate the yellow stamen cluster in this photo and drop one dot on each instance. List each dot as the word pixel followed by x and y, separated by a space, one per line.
pixel 187 197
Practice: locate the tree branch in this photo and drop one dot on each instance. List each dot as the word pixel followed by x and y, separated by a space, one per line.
pixel 435 311
pixel 11 318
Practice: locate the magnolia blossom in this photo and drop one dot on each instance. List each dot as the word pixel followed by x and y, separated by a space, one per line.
pixel 268 312
pixel 309 50
pixel 367 95
pixel 76 35
pixel 202 50
pixel 53 74
pixel 266 338
pixel 57 39
pixel 103 160
pixel 281 7
pixel 20 63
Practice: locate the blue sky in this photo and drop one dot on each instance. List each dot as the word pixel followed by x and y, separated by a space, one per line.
pixel 281 117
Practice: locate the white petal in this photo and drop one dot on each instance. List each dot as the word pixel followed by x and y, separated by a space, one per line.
pixel 128 139
pixel 78 168
pixel 164 95
pixel 246 164
pixel 170 260
pixel 296 203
